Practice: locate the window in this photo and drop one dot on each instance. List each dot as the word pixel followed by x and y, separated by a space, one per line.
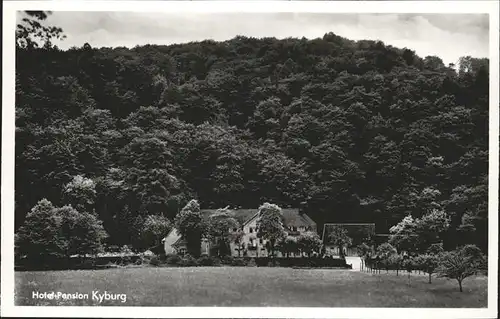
pixel 260 241
pixel 251 230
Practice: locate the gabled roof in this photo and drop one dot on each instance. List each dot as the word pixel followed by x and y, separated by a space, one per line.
pixel 241 215
pixel 291 216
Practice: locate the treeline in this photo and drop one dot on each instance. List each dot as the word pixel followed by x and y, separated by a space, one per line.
pixel 353 131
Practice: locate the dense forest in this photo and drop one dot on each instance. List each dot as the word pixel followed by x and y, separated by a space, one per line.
pixel 350 131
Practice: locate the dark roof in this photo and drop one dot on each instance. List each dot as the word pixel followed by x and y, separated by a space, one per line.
pixel 291 216
pixel 241 215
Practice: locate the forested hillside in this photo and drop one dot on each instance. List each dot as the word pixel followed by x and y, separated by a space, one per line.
pixel 352 131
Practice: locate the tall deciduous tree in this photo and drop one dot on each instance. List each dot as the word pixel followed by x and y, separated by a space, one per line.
pixel 50 232
pixel 191 226
pixel 289 245
pixel 220 228
pixel 270 225
pixel 155 228
pixel 309 242
pixel 338 237
pixel 84 233
pixel 40 237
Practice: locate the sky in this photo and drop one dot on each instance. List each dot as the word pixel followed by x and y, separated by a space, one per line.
pixel 448 36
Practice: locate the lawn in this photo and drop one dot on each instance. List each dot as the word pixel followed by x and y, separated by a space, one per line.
pixel 249 286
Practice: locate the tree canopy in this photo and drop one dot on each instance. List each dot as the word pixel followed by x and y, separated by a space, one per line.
pixel 359 131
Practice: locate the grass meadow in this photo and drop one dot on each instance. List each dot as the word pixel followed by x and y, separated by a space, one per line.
pixel 250 287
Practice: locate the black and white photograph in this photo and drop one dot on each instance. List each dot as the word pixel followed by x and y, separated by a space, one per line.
pixel 266 159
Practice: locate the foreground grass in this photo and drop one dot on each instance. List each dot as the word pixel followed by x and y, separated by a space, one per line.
pixel 241 286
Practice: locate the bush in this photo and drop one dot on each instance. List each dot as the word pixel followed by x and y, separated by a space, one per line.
pixel 154 261
pixel 312 263
pixel 251 263
pixel 227 260
pixel 88 263
pixel 273 263
pixel 208 261
pixel 238 262
pixel 188 261
pixel 172 259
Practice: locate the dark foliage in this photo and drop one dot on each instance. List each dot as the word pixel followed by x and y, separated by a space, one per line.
pixel 359 131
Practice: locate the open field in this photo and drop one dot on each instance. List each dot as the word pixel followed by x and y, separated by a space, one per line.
pixel 248 286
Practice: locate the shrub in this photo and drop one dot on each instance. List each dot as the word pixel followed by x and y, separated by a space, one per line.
pixel 208 261
pixel 238 262
pixel 216 261
pixel 252 263
pixel 188 261
pixel 227 260
pixel 312 263
pixel 154 261
pixel 172 259
pixel 88 263
pixel 273 263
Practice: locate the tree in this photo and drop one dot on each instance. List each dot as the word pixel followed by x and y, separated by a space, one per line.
pixel 430 228
pixel 309 242
pixel 40 238
pixel 191 226
pixel 220 226
pixel 50 233
pixel 289 245
pixel 417 235
pixel 396 260
pixel 31 31
pixel 237 238
pixel 80 193
pixel 461 263
pixel 83 232
pixel 385 251
pixel 270 225
pixel 154 229
pixel 428 263
pixel 339 238
pixel 363 250
pixel 408 264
